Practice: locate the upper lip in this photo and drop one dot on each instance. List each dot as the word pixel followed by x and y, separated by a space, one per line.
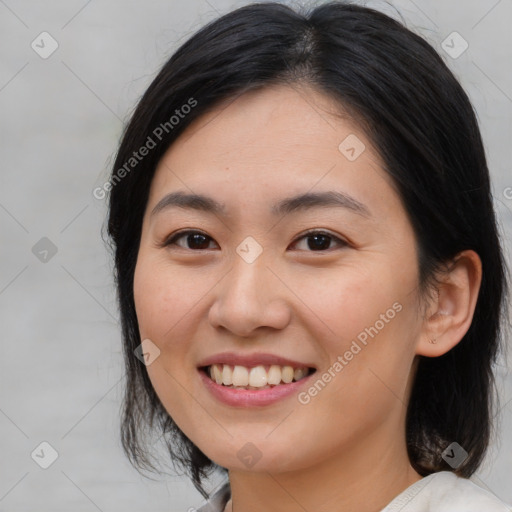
pixel 250 360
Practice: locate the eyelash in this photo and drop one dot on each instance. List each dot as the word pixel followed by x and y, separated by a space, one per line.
pixel 180 234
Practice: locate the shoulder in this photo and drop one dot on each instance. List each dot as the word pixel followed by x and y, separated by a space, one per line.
pixel 217 500
pixel 446 492
pixel 461 494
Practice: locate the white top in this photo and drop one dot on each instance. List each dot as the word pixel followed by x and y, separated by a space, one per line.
pixel 438 492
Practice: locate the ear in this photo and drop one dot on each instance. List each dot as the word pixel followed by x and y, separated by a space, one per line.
pixel 450 313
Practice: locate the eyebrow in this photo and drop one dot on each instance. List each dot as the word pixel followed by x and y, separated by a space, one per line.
pixel 296 203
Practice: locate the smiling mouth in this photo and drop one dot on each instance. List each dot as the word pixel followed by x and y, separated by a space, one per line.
pixel 256 377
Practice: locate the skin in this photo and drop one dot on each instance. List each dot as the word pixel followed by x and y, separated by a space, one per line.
pixel 344 450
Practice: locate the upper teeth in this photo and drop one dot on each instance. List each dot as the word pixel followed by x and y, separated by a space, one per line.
pixel 256 377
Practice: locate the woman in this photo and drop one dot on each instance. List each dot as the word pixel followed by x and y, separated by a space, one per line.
pixel 308 267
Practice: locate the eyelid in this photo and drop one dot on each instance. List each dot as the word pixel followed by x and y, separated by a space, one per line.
pixel 171 239
pixel 319 231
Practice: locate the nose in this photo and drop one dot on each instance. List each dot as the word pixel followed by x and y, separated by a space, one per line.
pixel 250 297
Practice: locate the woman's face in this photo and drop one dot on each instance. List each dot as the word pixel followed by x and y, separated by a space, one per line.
pixel 251 288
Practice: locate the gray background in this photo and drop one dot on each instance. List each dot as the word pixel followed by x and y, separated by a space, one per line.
pixel 61 368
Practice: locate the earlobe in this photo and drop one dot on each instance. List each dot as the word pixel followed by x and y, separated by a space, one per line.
pixel 450 313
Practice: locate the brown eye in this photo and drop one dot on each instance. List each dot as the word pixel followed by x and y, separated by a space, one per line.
pixel 316 241
pixel 319 241
pixel 194 240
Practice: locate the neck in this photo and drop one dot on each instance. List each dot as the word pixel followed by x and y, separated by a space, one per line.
pixel 363 478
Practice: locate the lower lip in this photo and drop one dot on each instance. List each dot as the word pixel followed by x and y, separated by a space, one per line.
pixel 251 397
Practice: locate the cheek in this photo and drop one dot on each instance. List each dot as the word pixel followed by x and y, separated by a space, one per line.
pixel 164 296
pixel 165 301
pixel 346 301
pixel 367 322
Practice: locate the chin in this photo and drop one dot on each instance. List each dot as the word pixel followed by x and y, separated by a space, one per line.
pixel 259 455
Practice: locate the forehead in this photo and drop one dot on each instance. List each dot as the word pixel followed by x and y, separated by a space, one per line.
pixel 284 120
pixel 270 141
